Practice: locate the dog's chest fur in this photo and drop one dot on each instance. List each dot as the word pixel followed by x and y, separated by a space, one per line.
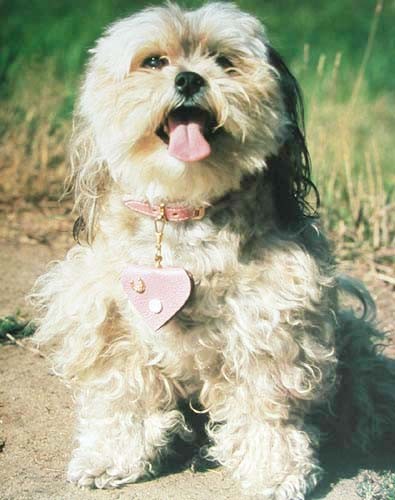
pixel 220 253
pixel 250 284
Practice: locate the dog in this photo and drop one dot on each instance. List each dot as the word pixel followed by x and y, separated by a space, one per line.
pixel 202 275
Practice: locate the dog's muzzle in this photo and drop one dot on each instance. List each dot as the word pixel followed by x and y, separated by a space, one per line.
pixel 188 129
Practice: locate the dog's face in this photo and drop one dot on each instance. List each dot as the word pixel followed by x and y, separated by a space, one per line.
pixel 182 104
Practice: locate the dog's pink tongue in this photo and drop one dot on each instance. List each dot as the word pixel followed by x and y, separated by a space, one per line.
pixel 186 139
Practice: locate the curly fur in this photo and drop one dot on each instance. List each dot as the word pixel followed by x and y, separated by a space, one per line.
pixel 258 343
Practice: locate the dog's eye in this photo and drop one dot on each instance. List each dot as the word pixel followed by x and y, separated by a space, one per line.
pixel 155 62
pixel 224 62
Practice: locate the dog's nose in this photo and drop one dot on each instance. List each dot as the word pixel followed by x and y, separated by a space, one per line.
pixel 189 83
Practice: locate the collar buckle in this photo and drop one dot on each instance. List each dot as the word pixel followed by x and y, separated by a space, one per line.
pixel 198 213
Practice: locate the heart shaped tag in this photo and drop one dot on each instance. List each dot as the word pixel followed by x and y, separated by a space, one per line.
pixel 157 293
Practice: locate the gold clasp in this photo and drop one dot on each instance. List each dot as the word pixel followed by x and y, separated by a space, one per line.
pixel 198 213
pixel 160 223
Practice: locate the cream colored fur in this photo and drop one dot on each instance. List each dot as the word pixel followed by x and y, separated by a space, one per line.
pixel 256 344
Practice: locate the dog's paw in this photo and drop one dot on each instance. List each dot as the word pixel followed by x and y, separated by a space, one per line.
pixel 295 487
pixel 96 472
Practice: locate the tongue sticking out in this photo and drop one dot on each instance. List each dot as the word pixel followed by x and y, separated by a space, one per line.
pixel 186 138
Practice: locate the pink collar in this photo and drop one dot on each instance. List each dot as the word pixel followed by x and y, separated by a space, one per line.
pixel 173 212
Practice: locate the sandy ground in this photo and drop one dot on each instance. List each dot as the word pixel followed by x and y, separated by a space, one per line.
pixel 37 415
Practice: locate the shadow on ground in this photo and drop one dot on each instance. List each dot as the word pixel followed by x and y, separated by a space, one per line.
pixel 340 464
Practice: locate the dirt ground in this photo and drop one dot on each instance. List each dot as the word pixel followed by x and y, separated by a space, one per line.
pixel 36 409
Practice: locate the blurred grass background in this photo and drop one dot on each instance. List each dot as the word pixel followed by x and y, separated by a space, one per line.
pixel 341 51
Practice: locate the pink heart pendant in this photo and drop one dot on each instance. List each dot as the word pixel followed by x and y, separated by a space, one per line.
pixel 157 293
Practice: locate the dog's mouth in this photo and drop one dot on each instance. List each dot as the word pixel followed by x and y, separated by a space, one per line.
pixel 188 132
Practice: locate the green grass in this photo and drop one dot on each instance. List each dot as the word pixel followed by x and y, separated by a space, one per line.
pixel 15 326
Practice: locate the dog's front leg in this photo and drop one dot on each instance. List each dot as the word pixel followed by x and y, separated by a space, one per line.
pixel 271 458
pixel 126 406
pixel 126 419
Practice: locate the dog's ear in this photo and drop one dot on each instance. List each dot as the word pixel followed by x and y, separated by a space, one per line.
pixel 89 179
pixel 290 170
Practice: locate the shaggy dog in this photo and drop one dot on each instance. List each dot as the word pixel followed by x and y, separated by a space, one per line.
pixel 205 277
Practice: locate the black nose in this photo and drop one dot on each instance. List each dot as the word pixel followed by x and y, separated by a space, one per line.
pixel 188 83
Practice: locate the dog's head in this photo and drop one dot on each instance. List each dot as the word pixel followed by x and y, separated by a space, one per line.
pixel 180 106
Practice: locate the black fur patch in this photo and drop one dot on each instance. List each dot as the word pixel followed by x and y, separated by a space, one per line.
pixel 290 170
